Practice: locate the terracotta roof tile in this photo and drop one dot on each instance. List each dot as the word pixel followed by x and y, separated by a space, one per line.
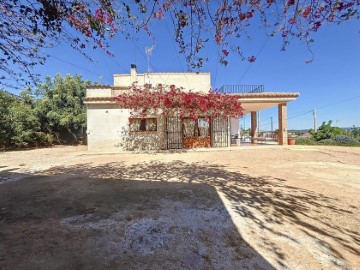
pixel 244 95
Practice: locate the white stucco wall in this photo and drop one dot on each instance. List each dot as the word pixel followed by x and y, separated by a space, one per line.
pixel 98 92
pixel 196 82
pixel 235 126
pixel 105 123
pixel 108 131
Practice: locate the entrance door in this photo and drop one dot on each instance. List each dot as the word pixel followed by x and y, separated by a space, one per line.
pixel 220 132
pixel 196 132
pixel 173 133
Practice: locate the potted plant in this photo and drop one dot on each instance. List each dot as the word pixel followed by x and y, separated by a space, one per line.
pixel 291 140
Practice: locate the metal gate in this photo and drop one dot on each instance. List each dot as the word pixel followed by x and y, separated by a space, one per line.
pixel 174 133
pixel 220 132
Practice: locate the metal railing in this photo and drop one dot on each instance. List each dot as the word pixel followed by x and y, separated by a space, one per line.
pixel 240 89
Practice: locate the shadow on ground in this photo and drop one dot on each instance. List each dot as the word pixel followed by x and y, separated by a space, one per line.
pixel 278 212
pixel 171 218
pixel 96 218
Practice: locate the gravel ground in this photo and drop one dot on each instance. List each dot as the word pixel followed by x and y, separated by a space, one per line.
pixel 261 207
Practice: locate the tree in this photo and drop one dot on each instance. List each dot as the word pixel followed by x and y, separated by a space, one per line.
pixel 54 110
pixel 355 132
pixel 19 125
pixel 326 131
pixel 6 101
pixel 60 107
pixel 27 27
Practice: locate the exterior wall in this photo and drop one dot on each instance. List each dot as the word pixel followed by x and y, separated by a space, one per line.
pixel 108 131
pixel 196 82
pixel 104 126
pixel 137 141
pixel 235 126
pixel 123 80
pixel 98 92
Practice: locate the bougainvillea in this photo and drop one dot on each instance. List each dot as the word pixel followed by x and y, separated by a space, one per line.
pixel 175 101
pixel 229 22
pixel 27 27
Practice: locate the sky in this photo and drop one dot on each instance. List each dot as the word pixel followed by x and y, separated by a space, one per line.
pixel 330 84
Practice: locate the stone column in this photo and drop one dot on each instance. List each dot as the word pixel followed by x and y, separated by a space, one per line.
pixel 253 127
pixel 283 128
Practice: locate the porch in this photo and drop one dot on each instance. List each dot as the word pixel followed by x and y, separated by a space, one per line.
pixel 253 99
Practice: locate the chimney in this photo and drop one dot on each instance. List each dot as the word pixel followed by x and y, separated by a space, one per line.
pixel 133 73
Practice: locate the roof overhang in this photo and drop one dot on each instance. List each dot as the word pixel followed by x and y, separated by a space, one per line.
pixel 99 100
pixel 252 102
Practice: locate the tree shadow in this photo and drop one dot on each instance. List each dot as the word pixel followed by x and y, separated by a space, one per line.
pixel 274 217
pixel 86 217
pixel 280 215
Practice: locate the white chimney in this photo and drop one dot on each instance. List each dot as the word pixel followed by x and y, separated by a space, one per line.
pixel 133 73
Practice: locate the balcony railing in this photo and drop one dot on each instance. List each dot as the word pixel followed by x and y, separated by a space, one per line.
pixel 240 89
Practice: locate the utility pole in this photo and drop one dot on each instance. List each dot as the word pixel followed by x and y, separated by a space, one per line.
pixel 272 130
pixel 314 113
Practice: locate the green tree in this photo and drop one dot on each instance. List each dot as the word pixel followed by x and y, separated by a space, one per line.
pixel 25 124
pixel 355 132
pixel 60 107
pixel 19 125
pixel 326 131
pixel 6 101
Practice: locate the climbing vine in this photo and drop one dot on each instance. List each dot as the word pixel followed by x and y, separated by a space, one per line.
pixel 174 100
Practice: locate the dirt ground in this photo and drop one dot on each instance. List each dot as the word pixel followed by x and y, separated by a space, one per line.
pixel 261 207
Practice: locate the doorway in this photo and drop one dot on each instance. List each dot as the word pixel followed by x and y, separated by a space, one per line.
pixel 196 132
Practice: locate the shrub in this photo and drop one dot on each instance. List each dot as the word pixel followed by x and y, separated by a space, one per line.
pixel 327 142
pixel 326 131
pixel 345 140
pixel 340 140
pixel 305 141
pixel 44 138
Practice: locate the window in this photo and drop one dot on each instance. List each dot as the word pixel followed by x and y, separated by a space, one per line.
pixel 196 128
pixel 143 124
pixel 203 127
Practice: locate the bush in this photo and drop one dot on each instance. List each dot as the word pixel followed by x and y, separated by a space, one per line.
pixel 326 131
pixel 44 138
pixel 345 140
pixel 340 140
pixel 327 142
pixel 305 141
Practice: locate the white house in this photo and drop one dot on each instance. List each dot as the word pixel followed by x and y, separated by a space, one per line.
pixel 112 129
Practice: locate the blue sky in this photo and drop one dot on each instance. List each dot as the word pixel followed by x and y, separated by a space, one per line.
pixel 333 77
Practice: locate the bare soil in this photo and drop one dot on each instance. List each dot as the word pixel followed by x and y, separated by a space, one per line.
pixel 262 207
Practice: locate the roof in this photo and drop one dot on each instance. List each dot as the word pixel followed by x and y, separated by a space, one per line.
pixel 103 86
pixel 264 95
pixel 268 95
pixel 195 73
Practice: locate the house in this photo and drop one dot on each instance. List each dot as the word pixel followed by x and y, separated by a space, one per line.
pixel 113 129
